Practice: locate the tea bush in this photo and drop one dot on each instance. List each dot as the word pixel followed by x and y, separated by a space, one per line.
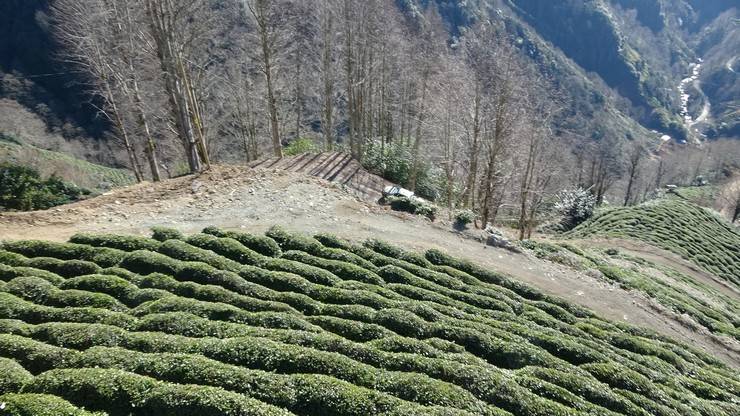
pixel 40 405
pixel 253 325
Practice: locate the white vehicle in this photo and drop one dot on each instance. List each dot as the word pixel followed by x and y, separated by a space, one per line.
pixel 393 190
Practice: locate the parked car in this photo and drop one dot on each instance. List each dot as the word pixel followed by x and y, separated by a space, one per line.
pixel 393 190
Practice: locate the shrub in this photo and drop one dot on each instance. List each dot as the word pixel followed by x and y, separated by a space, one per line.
pixel 121 242
pixel 41 292
pixel 40 405
pixel 300 146
pixel 121 393
pixel 464 218
pixel 441 332
pixel 117 287
pixel 31 355
pixel 183 251
pixel 22 188
pixel 14 376
pixel 620 377
pixel 588 388
pixel 8 273
pixel 301 393
pixel 293 241
pixel 576 206
pixel 412 205
pixel 441 259
pixel 8 258
pixel 346 271
pixel 68 268
pixel 104 257
pixel 146 262
pixel 330 240
pixel 311 273
pixel 352 330
pixel 394 162
pixel 163 234
pixel 12 307
pixel 227 247
pixel 223 312
pixel 261 244
pixel 396 252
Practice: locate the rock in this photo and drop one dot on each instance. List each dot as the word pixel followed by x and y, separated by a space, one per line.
pixel 495 238
pixel 195 186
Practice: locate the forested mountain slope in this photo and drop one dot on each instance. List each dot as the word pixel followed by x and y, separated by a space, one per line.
pixel 640 49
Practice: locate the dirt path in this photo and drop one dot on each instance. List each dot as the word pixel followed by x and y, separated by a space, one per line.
pixel 255 199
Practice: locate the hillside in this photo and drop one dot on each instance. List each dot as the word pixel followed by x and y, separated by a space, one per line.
pixel 691 297
pixel 248 200
pixel 640 49
pixel 80 172
pixel 681 227
pixel 619 65
pixel 231 323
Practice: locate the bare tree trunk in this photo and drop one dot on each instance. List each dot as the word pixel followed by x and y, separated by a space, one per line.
pixel 138 103
pixel 161 20
pixel 121 127
pixel 349 75
pixel 469 194
pixel 633 171
pixel 327 75
pixel 151 147
pixel 525 191
pixel 416 162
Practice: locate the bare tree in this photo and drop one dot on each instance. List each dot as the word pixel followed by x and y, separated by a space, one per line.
pixel 539 160
pixel 328 75
pixel 174 32
pixel 729 200
pixel 268 18
pixel 86 29
pixel 605 167
pixel 426 55
pixel 634 164
pixel 499 127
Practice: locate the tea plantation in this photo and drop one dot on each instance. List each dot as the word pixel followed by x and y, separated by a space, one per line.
pixel 707 308
pixel 227 323
pixel 686 229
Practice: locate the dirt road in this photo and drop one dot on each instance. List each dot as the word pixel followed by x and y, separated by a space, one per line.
pixel 255 199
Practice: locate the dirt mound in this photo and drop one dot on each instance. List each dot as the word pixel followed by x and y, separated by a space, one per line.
pixel 334 167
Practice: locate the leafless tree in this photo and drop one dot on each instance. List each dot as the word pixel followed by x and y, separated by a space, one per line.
pixel 427 53
pixel 634 165
pixel 536 148
pixel 728 200
pixel 175 33
pixel 86 30
pixel 268 18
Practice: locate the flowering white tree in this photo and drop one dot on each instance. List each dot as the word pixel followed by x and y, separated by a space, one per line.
pixel 576 206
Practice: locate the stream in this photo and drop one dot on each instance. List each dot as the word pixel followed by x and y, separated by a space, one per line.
pixel 689 121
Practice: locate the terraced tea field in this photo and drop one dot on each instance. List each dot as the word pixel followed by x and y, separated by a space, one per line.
pixel 691 302
pixel 226 323
pixel 681 227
